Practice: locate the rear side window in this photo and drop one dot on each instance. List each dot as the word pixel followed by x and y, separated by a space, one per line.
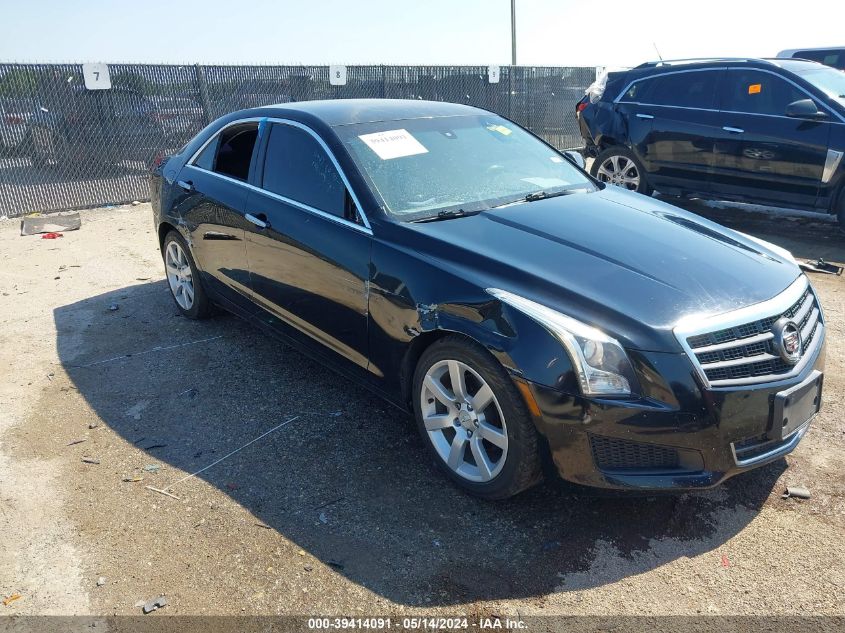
pixel 230 152
pixel 756 92
pixel 297 167
pixel 688 90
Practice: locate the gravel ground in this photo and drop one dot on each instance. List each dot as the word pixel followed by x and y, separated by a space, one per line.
pixel 339 511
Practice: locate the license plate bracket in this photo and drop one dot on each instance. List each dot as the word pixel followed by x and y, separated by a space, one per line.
pixel 795 406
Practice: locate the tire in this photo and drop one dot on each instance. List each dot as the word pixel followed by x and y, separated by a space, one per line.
pixel 619 166
pixel 501 432
pixel 183 278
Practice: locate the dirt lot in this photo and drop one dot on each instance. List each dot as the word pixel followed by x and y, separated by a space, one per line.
pixel 339 511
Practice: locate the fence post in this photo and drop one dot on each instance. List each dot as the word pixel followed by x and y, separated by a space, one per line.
pixel 202 89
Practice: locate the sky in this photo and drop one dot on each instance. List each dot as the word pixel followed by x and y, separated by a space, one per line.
pixel 549 32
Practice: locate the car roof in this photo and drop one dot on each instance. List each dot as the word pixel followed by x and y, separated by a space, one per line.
pixel 338 112
pixel 675 65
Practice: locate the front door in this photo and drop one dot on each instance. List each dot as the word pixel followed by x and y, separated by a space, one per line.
pixel 760 153
pixel 309 254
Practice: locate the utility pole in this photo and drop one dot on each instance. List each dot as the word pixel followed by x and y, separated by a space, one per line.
pixel 513 32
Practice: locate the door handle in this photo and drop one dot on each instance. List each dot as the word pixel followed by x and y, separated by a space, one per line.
pixel 259 220
pixel 733 130
pixel 187 185
pixel 644 116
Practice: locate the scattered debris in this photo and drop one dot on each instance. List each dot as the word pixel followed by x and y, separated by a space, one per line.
pixel 151 468
pixel 79 441
pixel 336 414
pixel 725 561
pixel 263 525
pixel 820 266
pixel 436 543
pixel 191 393
pixel 136 409
pixel 135 203
pixel 90 460
pixel 323 518
pixel 132 479
pixel 328 503
pixel 114 307
pixel 335 564
pixel 11 599
pixel 799 492
pixel 154 604
pixel 51 236
pixel 50 224
pixel 160 491
pixel 307 567
pixel 301 552
pixel 101 581
pixel 142 278
pixel 93 425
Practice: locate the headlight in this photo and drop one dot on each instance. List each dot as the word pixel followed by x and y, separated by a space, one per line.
pixel 602 366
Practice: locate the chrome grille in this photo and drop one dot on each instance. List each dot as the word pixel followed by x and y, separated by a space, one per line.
pixel 738 348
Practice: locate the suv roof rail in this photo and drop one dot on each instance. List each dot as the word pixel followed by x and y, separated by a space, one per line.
pixel 700 60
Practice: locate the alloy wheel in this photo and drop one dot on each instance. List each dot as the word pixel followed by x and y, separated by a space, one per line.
pixel 620 171
pixel 464 421
pixel 179 275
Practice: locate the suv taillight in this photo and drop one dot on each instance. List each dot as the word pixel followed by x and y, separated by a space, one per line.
pixel 581 105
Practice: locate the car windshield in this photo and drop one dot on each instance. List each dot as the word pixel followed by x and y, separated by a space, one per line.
pixel 424 167
pixel 828 80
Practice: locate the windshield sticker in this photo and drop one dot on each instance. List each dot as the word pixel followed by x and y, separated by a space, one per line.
pixel 393 144
pixel 545 183
pixel 556 159
pixel 501 129
pixel 754 89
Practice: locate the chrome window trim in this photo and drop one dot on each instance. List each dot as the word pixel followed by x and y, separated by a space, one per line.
pixel 701 324
pixel 815 99
pixel 366 228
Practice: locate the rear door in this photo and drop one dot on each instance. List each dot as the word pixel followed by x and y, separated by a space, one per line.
pixel 677 151
pixel 309 247
pixel 761 153
pixel 215 194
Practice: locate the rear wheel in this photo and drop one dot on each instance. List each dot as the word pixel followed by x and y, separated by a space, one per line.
pixel 619 166
pixel 183 278
pixel 474 421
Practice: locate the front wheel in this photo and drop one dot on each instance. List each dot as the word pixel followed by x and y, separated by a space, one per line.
pixel 619 166
pixel 474 421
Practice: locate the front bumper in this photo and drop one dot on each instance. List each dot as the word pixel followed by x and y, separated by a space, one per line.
pixel 687 438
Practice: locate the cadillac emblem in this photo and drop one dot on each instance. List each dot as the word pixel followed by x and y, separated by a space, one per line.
pixel 787 340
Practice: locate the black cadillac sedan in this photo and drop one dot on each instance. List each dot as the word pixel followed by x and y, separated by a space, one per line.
pixel 473 275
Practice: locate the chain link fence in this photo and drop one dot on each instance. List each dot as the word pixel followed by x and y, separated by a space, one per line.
pixel 63 146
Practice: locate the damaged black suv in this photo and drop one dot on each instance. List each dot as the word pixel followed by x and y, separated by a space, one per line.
pixel 749 130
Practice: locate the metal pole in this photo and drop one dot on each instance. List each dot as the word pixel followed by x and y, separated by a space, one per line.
pixel 513 32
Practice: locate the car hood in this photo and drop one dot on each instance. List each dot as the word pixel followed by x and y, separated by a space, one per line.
pixel 629 264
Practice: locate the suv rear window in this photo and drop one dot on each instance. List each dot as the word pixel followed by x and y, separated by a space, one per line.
pixel 831 57
pixel 757 92
pixel 694 89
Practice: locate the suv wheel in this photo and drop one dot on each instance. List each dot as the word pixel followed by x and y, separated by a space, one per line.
pixel 618 166
pixel 474 421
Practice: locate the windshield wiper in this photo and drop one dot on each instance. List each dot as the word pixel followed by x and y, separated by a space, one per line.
pixel 537 195
pixel 447 214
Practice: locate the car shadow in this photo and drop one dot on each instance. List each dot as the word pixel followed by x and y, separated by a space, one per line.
pixel 349 480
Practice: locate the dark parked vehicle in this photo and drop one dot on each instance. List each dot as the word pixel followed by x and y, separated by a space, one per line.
pixel 471 274
pixel 764 131
pixel 831 56
pixel 78 129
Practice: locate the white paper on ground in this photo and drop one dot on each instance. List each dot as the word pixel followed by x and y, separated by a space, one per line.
pixel 393 144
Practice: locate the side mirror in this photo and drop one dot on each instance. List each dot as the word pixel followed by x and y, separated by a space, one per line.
pixel 804 109
pixel 576 158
